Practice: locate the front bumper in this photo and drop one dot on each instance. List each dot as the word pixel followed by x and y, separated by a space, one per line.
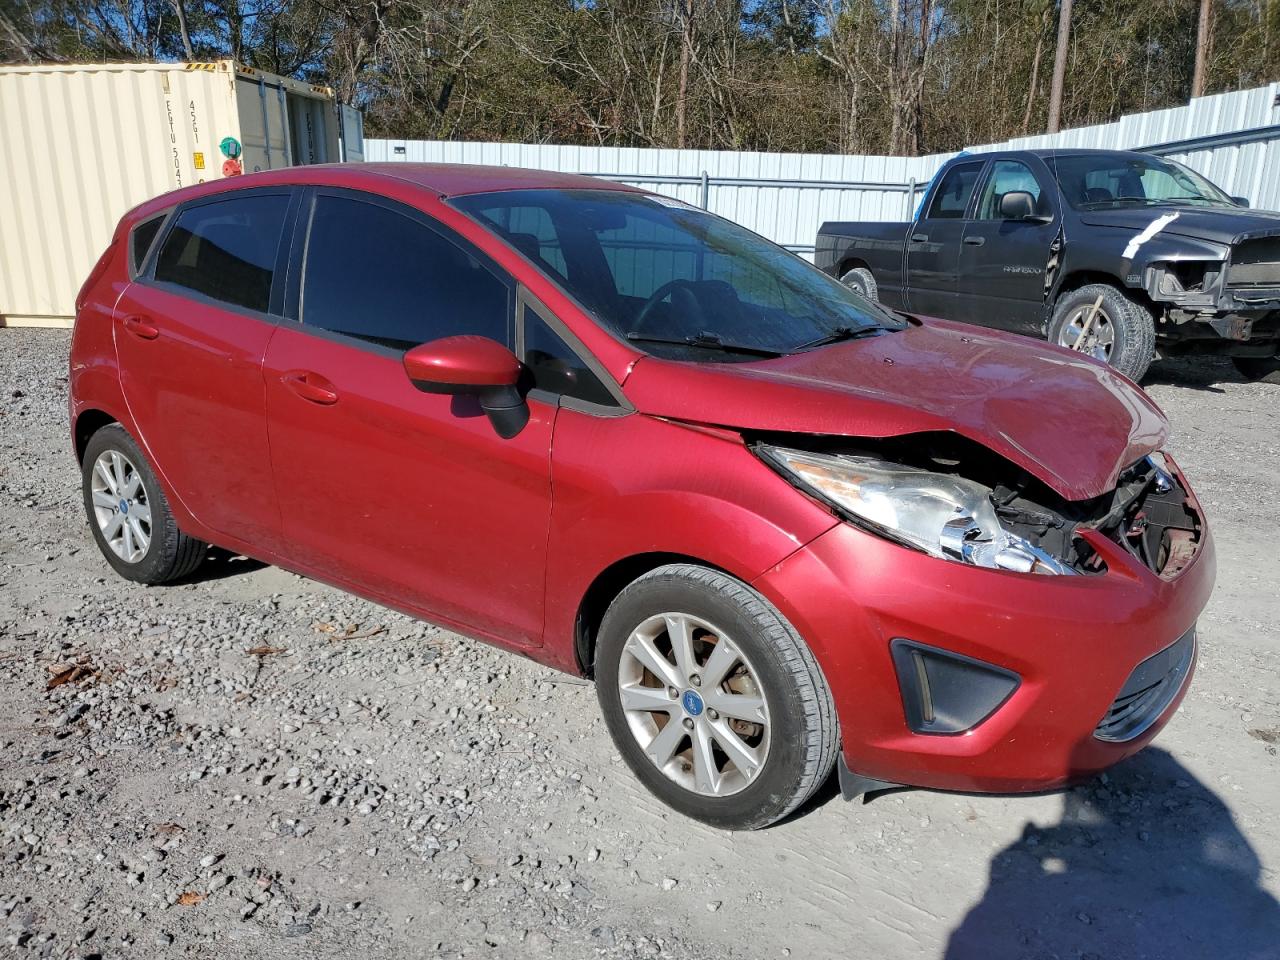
pixel 1073 641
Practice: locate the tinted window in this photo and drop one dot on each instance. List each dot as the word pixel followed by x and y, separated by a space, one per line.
pixel 1007 176
pixel 141 239
pixel 557 368
pixel 680 282
pixel 384 277
pixel 226 250
pixel 952 197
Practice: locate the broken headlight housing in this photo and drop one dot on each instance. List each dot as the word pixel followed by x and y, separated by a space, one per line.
pixel 944 515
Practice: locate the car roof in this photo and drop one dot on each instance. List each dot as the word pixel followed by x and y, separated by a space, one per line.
pixel 459 179
pixel 1084 152
pixel 440 179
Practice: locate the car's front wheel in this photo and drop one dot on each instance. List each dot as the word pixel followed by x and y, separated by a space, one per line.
pixel 128 512
pixel 713 699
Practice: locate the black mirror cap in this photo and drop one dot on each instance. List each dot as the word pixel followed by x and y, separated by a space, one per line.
pixel 1017 205
pixel 1240 201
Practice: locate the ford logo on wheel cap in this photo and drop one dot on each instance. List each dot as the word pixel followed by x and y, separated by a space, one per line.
pixel 692 703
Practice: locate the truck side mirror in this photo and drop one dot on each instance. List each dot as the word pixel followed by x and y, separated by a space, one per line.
pixel 1240 201
pixel 1017 205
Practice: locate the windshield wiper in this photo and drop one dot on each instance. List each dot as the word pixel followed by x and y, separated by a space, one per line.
pixel 842 333
pixel 705 341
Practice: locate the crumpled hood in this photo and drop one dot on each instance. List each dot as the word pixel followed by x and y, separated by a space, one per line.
pixel 1217 225
pixel 1069 421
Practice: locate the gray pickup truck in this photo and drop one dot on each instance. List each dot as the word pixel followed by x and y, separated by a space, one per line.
pixel 1124 256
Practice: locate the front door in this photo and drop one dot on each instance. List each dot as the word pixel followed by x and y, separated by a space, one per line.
pixel 411 496
pixel 1003 261
pixel 191 333
pixel 933 245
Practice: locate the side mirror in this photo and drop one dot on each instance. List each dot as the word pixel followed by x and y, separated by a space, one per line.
pixel 1240 201
pixel 472 366
pixel 1017 205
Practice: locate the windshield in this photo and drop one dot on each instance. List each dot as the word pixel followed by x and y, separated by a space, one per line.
pixel 1099 182
pixel 675 280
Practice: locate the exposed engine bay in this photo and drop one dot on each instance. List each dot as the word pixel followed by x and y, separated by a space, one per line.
pixel 981 509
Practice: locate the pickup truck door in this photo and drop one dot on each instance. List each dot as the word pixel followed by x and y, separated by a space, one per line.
pixel 933 242
pixel 1003 261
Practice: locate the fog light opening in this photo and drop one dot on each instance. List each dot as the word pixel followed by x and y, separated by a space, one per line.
pixel 945 693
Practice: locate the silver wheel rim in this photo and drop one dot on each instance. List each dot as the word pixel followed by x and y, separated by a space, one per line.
pixel 121 506
pixel 1101 337
pixel 694 704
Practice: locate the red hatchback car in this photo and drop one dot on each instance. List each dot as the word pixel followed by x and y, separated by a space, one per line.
pixel 783 528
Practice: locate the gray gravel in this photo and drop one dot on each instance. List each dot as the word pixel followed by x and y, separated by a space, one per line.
pixel 254 764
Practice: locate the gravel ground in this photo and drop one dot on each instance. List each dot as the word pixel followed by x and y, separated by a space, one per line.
pixel 254 764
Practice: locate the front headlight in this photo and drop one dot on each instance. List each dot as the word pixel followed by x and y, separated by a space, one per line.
pixel 945 516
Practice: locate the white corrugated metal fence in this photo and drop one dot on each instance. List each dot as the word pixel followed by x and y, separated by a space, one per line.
pixel 1232 138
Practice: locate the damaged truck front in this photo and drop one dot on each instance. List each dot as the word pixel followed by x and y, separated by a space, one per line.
pixel 1122 256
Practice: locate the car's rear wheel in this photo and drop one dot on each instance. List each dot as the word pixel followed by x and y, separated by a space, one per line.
pixel 863 281
pixel 128 512
pixel 713 699
pixel 1258 369
pixel 1100 321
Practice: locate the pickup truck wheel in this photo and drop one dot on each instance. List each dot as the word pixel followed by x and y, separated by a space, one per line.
pixel 1258 369
pixel 1121 332
pixel 862 281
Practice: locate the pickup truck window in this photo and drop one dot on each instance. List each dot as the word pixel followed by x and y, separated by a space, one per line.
pixel 1007 176
pixel 675 280
pixel 952 197
pixel 1108 181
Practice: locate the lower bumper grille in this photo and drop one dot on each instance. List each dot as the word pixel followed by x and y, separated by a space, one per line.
pixel 1148 691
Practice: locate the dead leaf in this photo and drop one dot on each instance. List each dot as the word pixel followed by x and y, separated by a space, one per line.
pixel 265 651
pixel 72 674
pixel 319 626
pixel 190 898
pixel 353 633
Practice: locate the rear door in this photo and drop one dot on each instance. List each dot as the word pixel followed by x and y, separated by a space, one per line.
pixel 410 496
pixel 1003 262
pixel 933 244
pixel 191 333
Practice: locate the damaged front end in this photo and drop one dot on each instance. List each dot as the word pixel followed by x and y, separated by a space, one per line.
pixel 956 500
pixel 1232 297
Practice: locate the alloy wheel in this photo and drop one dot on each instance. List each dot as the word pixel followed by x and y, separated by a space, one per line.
pixel 1095 338
pixel 120 506
pixel 694 705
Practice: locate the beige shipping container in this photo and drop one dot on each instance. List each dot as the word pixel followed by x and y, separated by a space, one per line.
pixel 81 144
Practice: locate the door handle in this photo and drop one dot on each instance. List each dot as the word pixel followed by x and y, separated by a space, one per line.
pixel 141 328
pixel 919 238
pixel 975 241
pixel 310 386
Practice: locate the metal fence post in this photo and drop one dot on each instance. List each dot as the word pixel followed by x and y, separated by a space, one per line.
pixel 911 197
pixel 706 190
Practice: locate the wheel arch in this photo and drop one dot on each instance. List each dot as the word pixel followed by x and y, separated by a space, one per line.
pixel 88 422
pixel 1076 279
pixel 606 586
pixel 852 263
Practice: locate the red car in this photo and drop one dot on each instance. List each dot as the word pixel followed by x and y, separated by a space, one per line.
pixel 783 528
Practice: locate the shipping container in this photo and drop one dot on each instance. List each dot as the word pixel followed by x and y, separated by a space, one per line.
pixel 80 144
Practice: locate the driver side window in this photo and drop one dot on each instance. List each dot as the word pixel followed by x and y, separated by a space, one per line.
pixel 385 277
pixel 1007 176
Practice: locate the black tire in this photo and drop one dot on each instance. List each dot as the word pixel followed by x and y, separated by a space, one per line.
pixel 803 732
pixel 1134 344
pixel 171 554
pixel 863 281
pixel 1258 369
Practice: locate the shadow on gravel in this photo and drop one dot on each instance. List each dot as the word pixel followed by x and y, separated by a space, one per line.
pixel 1200 373
pixel 220 564
pixel 1148 864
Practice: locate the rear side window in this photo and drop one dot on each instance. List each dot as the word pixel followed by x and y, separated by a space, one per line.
pixel 226 250
pixel 556 367
pixel 144 234
pixel 952 197
pixel 385 277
